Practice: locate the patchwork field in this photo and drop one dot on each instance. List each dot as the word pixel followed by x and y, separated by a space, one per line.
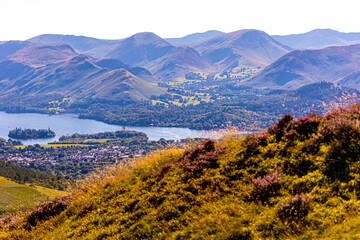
pixel 14 196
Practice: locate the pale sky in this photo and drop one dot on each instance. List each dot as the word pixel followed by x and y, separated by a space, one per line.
pixel 111 19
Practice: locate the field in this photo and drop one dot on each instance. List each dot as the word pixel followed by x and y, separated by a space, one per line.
pixel 14 196
pixel 103 140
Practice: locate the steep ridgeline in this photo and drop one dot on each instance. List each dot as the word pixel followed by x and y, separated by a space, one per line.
pixel 296 180
pixel 302 67
pixel 218 52
pixel 162 59
pixel 244 47
pixel 147 50
pixel 57 68
pixel 319 38
pixel 8 48
pixel 81 44
pixel 114 64
pixel 41 55
pixel 96 48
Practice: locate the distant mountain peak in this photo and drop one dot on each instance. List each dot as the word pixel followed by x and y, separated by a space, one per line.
pixel 145 35
pixel 319 38
pixel 249 47
pixel 302 67
pixel 38 55
pixel 147 38
pixel 324 30
pixel 8 48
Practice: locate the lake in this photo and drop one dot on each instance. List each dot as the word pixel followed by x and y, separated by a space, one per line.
pixel 68 124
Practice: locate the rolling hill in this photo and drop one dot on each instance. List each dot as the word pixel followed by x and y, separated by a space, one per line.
pixel 295 180
pixel 16 197
pixel 244 47
pixel 302 67
pixel 57 68
pixel 207 52
pixel 24 175
pixel 8 48
pixel 118 64
pixel 22 188
pixel 162 59
pixel 78 77
pixel 319 38
pixel 352 79
pixel 81 44
pixel 145 50
pixel 41 55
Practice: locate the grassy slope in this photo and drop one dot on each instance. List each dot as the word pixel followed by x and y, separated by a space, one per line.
pixel 20 174
pixel 14 196
pixel 300 179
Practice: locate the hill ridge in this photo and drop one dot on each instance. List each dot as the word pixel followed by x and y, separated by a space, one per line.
pixel 247 47
pixel 319 38
pixel 296 179
pixel 302 67
pixel 58 69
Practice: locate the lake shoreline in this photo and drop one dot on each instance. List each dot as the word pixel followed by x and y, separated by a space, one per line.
pixel 70 123
pixel 101 120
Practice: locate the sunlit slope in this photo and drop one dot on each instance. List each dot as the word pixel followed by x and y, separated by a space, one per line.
pixel 56 69
pixel 297 179
pixel 14 196
pixel 302 67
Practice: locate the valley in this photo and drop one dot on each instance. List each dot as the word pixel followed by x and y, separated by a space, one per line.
pixel 144 80
pixel 214 135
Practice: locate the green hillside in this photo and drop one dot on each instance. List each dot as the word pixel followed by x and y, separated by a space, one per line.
pixel 23 175
pixel 15 196
pixel 300 179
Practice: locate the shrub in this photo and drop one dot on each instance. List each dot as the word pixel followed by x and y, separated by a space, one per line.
pixel 8 221
pixel 47 210
pixel 244 234
pixel 85 209
pixel 294 209
pixel 280 126
pixel 253 141
pixel 203 156
pixel 266 186
pixel 344 149
pixel 299 166
pixel 303 127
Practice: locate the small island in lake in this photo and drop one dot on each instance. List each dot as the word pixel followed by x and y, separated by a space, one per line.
pixel 27 133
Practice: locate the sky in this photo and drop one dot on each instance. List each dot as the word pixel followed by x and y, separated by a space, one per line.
pixel 116 19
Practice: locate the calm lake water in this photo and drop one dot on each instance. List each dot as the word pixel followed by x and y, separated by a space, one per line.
pixel 68 124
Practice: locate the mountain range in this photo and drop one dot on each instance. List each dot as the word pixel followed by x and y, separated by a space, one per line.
pixel 167 61
pixel 244 47
pixel 84 67
pixel 8 48
pixel 319 38
pixel 162 59
pixel 302 67
pixel 57 68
